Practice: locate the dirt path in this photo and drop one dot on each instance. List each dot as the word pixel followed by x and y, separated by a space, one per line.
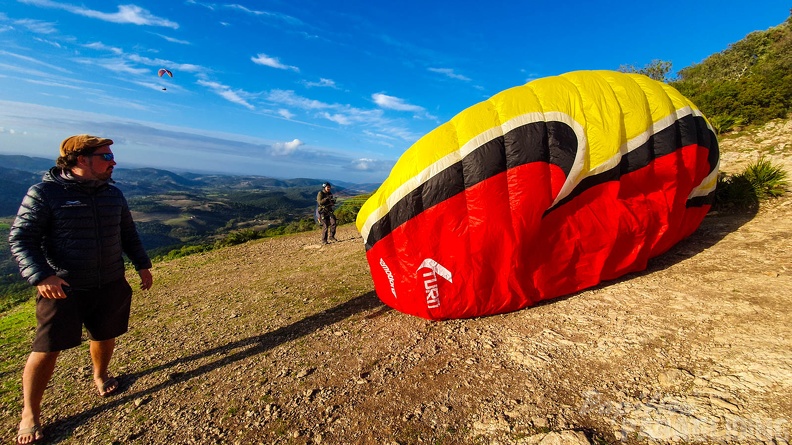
pixel 283 341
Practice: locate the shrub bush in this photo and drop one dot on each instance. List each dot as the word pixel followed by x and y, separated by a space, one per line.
pixel 744 191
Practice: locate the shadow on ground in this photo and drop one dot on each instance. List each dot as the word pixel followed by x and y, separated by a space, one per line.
pixel 61 429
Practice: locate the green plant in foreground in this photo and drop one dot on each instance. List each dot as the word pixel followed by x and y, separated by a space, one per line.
pixel 15 336
pixel 725 123
pixel 744 191
pixel 768 180
pixel 734 192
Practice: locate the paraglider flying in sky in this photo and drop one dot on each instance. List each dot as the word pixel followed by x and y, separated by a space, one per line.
pixel 541 191
pixel 162 72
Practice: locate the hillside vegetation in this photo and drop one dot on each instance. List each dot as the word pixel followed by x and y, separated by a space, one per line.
pixel 747 84
pixel 750 83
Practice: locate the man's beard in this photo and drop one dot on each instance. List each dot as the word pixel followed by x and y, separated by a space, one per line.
pixel 105 175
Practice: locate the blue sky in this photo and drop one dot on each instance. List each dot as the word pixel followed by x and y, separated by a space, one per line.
pixel 319 89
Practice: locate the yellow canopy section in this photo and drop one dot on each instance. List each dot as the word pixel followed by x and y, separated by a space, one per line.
pixel 611 113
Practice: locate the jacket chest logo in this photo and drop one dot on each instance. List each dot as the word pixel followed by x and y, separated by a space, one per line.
pixel 77 203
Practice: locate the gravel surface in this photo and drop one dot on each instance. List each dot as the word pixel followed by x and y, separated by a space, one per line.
pixel 282 341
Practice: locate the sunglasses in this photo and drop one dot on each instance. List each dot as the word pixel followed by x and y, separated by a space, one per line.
pixel 105 156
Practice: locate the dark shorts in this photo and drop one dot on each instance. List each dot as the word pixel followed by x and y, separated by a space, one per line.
pixel 103 311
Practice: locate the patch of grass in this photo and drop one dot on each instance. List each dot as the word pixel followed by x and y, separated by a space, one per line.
pixel 14 291
pixel 15 336
pixel 141 418
pixel 280 427
pixel 180 221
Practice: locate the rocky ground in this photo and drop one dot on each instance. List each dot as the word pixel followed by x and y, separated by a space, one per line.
pixel 283 341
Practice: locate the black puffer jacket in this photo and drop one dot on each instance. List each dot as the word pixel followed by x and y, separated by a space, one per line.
pixel 77 230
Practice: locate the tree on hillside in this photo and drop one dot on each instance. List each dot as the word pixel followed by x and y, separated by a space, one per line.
pixel 656 69
pixel 750 82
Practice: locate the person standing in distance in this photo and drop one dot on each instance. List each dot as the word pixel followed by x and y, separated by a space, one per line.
pixel 326 201
pixel 68 239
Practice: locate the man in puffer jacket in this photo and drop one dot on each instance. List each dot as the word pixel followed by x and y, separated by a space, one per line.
pixel 68 239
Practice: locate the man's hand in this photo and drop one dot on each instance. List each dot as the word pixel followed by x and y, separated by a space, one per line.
pixel 52 287
pixel 146 280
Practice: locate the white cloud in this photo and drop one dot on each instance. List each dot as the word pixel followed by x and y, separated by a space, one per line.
pixel 101 46
pixel 370 165
pixel 337 118
pixel 394 103
pixel 173 40
pixel 283 17
pixel 450 73
pixel 53 84
pixel 377 135
pixel 116 65
pixel 32 60
pixel 287 97
pixel 173 66
pixel 397 132
pixel 286 148
pixel 272 62
pixel 345 115
pixel 363 164
pixel 37 26
pixel 128 14
pixel 225 92
pixel 286 113
pixel 322 83
pixel 49 42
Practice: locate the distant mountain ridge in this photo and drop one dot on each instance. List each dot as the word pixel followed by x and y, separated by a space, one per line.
pixel 26 163
pixel 18 172
pixel 176 209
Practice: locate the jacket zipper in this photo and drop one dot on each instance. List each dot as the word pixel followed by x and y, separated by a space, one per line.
pixel 98 237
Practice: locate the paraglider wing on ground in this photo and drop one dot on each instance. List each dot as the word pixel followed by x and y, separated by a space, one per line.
pixel 541 191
